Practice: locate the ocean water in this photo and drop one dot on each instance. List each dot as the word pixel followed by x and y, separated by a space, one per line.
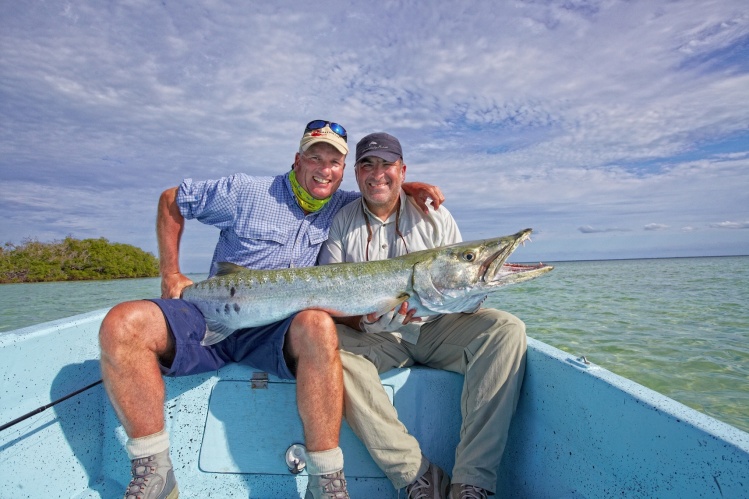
pixel 679 326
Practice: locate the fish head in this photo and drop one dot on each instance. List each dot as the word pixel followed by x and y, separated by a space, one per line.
pixel 458 277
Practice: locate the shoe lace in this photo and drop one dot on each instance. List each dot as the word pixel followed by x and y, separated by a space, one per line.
pixel 472 492
pixel 140 469
pixel 420 489
pixel 334 486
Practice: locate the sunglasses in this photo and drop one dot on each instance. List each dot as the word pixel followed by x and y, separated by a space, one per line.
pixel 318 124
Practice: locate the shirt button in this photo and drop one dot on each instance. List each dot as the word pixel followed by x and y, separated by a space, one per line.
pixel 384 246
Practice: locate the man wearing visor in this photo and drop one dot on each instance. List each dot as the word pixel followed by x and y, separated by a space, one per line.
pixel 265 223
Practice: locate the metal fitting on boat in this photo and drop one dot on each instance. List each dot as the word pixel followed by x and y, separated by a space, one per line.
pixel 296 458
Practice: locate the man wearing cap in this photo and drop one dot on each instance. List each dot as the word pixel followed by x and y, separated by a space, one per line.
pixel 486 345
pixel 266 223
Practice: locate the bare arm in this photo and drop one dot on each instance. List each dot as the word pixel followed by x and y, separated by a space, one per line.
pixel 169 226
pixel 421 192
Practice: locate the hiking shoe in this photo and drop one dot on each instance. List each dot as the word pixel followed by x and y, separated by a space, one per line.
pixel 433 484
pixel 153 478
pixel 332 486
pixel 465 491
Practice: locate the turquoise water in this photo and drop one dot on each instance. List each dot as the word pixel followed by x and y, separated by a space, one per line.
pixel 679 326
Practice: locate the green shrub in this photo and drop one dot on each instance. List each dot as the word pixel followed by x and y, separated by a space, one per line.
pixel 73 260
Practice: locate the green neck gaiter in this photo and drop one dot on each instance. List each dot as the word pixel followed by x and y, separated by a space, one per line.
pixel 305 200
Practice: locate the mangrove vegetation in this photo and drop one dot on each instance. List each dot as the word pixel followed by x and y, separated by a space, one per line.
pixel 74 260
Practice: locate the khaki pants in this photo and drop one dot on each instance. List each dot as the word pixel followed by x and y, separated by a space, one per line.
pixel 487 347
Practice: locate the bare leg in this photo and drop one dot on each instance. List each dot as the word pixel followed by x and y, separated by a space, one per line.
pixel 312 341
pixel 133 336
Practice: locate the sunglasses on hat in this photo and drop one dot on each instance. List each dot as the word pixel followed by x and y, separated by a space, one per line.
pixel 318 124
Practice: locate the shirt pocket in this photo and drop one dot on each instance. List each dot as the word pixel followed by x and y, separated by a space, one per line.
pixel 259 234
pixel 318 235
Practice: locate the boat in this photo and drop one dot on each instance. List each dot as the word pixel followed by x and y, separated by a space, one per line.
pixel 580 431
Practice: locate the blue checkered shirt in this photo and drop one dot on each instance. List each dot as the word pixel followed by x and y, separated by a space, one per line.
pixel 262 226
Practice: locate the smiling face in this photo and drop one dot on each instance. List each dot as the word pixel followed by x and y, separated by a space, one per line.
pixel 319 170
pixel 380 183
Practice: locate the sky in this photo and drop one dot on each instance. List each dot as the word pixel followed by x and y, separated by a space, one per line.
pixel 614 129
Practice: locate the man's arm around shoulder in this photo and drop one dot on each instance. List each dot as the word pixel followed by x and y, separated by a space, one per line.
pixel 423 193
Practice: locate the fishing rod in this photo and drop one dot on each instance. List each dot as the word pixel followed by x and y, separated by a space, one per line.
pixel 47 406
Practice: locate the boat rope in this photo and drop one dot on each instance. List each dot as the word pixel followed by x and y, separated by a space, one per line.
pixel 47 406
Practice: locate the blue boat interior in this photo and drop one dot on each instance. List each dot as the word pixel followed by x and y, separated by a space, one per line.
pixel 580 431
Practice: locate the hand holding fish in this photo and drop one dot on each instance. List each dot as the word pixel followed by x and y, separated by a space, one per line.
pixel 173 284
pixel 389 321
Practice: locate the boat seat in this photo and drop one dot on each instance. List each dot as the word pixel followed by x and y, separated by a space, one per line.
pixel 252 420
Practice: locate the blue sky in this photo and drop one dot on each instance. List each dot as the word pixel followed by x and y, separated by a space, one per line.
pixel 616 129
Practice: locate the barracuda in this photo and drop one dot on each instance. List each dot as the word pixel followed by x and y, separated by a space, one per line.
pixel 448 279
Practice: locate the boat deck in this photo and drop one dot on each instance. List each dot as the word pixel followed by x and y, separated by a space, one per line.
pixel 580 430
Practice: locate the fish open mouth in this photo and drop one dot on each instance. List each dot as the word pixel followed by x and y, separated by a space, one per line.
pixel 491 267
pixel 513 273
pixel 519 267
pixel 485 267
pixel 516 268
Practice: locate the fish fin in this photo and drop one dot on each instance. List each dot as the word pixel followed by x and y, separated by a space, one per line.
pixel 215 332
pixel 227 268
pixel 431 297
pixel 393 303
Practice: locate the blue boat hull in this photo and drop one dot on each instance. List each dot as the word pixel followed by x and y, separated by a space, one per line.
pixel 580 430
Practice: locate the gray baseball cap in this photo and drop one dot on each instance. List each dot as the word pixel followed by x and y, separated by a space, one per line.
pixel 381 145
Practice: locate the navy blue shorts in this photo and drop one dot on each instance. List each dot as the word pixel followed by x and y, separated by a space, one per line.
pixel 259 347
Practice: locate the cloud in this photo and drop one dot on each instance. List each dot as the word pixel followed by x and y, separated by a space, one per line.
pixel 656 227
pixel 730 225
pixel 587 229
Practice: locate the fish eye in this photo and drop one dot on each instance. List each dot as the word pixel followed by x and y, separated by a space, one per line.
pixel 469 256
